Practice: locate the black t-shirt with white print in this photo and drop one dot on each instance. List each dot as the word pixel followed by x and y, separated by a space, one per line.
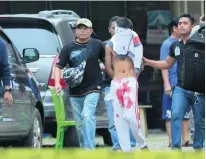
pixel 73 54
pixel 176 51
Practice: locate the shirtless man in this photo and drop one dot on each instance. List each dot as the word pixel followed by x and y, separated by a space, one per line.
pixel 122 63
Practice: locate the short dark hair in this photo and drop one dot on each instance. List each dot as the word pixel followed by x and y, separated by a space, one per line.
pixel 113 19
pixel 189 16
pixel 130 24
pixel 124 23
pixel 173 23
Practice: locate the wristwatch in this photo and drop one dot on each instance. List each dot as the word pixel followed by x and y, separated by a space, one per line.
pixel 7 90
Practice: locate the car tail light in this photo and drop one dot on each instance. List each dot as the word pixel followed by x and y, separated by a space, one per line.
pixel 51 77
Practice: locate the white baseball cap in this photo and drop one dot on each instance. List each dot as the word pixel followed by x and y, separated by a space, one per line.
pixel 85 22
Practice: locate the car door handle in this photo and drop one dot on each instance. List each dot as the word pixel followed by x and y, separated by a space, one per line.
pixel 34 70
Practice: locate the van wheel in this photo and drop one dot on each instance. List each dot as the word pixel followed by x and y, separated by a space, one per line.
pixel 71 138
pixel 34 138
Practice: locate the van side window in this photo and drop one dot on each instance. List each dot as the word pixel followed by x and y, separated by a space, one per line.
pixel 65 32
pixel 11 53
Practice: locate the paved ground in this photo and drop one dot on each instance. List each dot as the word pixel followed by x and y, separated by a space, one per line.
pixel 156 140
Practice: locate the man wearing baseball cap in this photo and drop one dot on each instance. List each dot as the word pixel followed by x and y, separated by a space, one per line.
pixel 85 96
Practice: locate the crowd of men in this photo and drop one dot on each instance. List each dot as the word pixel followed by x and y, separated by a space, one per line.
pixel 123 57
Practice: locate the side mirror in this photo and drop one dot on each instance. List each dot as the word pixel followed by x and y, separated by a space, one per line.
pixel 30 55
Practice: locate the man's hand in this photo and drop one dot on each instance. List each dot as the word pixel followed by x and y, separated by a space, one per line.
pixel 168 89
pixel 145 61
pixel 57 88
pixel 8 98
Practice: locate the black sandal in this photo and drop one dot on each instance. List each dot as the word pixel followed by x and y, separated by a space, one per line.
pixel 187 144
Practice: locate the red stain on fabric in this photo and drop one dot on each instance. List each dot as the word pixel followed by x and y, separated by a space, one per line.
pixel 120 93
pixel 129 102
pixel 126 88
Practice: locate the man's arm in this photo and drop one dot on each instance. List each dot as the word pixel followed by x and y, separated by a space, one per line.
pixel 164 52
pixel 165 77
pixel 57 75
pixel 108 61
pixel 166 64
pixel 63 59
pixel 6 77
pixel 167 86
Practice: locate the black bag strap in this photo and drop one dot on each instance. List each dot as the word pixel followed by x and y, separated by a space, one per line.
pixel 89 47
pixel 88 51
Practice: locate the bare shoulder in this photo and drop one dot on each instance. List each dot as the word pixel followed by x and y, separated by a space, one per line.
pixel 108 48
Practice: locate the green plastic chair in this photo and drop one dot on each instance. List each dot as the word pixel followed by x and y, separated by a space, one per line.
pixel 60 118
